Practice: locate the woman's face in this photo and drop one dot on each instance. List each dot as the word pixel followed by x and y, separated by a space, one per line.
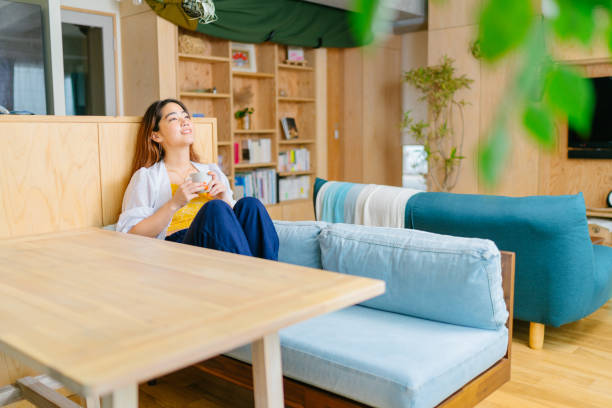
pixel 175 128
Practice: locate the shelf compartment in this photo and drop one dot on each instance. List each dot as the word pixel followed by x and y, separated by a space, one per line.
pixel 295 67
pixel 203 58
pixel 252 74
pixel 253 165
pixel 296 141
pixel 193 43
pixel 254 132
pixel 298 100
pixel 204 95
pixel 295 173
pixel 256 93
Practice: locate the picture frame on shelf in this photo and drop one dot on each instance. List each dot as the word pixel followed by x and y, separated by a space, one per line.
pixel 289 128
pixel 243 57
pixel 295 54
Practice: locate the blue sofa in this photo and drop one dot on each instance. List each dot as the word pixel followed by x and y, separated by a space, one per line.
pixel 440 325
pixel 561 276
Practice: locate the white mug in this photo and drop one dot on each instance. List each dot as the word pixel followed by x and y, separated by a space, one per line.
pixel 201 177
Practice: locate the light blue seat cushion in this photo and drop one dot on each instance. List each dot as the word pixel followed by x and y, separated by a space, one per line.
pixel 437 277
pixel 386 359
pixel 110 227
pixel 298 242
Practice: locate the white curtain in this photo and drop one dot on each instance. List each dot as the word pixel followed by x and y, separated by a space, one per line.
pixel 29 88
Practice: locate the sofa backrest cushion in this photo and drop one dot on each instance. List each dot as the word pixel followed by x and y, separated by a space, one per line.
pixel 298 242
pixel 437 277
pixel 549 234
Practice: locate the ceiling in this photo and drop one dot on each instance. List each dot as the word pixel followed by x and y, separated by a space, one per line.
pixel 405 15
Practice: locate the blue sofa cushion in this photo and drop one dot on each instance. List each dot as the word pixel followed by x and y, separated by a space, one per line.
pixel 437 277
pixel 554 282
pixel 298 242
pixel 602 256
pixel 384 359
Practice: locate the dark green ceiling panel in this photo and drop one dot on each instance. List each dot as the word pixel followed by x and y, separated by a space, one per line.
pixel 289 22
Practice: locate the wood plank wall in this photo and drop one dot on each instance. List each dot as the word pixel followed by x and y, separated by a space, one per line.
pixel 529 170
pixel 364 101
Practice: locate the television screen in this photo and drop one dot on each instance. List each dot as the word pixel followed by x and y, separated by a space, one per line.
pixel 600 137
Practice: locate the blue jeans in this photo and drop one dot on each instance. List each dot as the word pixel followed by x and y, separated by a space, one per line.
pixel 245 230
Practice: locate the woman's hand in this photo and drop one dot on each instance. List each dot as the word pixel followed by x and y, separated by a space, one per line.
pixel 185 193
pixel 216 188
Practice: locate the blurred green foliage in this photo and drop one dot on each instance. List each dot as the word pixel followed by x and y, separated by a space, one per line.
pixel 542 91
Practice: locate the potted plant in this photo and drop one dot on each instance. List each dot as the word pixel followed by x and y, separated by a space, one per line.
pixel 441 137
pixel 244 116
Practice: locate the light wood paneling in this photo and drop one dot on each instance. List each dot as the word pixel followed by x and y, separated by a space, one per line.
pixel 140 70
pixel 573 52
pixel 454 42
pixel 452 13
pixel 50 174
pixel 592 177
pixel 522 162
pixel 319 164
pixel 353 116
pixel 382 153
pixel 335 118
pixel 302 210
pixel 167 50
pixel 117 147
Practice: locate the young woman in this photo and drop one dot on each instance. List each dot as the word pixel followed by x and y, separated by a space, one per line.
pixel 161 200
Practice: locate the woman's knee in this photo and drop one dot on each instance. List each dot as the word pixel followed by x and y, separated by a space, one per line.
pixel 249 203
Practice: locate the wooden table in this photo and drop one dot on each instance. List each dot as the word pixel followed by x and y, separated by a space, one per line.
pixel 102 311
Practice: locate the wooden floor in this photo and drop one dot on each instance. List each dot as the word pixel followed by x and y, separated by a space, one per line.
pixel 573 370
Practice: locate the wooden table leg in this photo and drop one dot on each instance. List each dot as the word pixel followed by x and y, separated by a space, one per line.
pixel 126 397
pixel 267 372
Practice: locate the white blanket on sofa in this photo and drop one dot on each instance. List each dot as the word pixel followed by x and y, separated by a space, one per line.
pixel 383 206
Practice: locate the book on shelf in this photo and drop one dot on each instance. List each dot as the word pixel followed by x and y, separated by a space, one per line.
pixel 260 184
pixel 294 160
pixel 289 128
pixel 293 188
pixel 253 151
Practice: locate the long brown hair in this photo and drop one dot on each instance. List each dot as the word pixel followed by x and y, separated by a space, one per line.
pixel 148 151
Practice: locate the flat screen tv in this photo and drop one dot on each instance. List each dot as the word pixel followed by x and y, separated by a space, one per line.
pixel 597 145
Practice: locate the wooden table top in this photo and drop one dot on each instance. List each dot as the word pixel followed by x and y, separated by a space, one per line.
pixel 98 309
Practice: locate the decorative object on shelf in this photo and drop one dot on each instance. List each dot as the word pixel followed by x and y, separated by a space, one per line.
pixel 442 142
pixel 295 54
pixel 202 10
pixel 244 116
pixel 289 128
pixel 243 57
pixel 191 44
pixel 212 90
pixel 197 115
pixel 282 93
pixel 609 199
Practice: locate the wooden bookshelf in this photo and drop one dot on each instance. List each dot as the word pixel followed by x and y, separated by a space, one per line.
pixel 204 62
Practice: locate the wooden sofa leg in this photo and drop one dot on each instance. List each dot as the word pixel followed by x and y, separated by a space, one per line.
pixel 536 335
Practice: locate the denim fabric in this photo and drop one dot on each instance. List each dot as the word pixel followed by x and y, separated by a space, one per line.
pixel 245 230
pixel 438 277
pixel 384 359
pixel 299 243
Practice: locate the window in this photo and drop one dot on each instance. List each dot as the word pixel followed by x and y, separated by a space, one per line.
pixel 23 70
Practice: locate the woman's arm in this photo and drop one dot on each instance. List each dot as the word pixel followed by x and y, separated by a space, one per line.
pixel 153 225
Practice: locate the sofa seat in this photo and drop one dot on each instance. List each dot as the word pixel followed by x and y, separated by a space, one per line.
pixel 386 359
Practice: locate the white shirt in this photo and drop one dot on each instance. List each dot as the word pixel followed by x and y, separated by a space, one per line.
pixel 149 189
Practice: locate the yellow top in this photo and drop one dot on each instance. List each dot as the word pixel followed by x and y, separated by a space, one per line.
pixel 183 217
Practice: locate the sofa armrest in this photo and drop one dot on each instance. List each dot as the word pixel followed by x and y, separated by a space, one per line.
pixel 507 266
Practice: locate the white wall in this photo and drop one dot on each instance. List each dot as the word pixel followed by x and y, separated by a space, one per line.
pixel 414 55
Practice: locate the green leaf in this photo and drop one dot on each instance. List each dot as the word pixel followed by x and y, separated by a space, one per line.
pixel 572 95
pixel 539 122
pixel 503 26
pixel 362 20
pixel 492 155
pixel 575 20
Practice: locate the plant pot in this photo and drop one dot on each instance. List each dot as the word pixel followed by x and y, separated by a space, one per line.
pixel 246 122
